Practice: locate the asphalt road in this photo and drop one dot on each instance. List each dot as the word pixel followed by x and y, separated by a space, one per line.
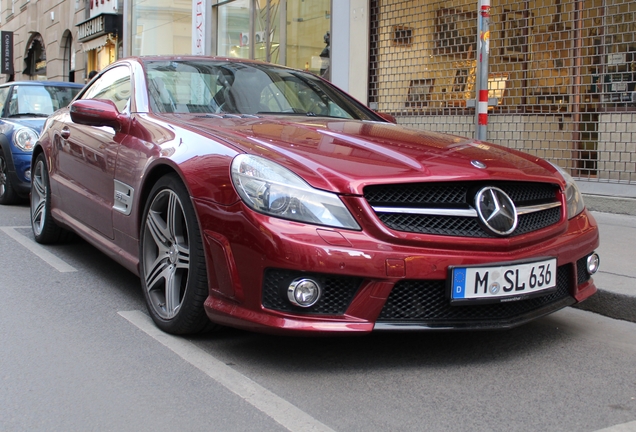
pixel 78 353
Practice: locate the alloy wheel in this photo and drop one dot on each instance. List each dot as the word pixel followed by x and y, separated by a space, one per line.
pixel 38 198
pixel 166 254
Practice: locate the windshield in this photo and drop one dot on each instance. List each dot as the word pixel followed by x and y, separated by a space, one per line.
pixel 243 88
pixel 39 101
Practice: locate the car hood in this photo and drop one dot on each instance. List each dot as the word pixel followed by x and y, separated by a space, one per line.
pixel 345 155
pixel 34 123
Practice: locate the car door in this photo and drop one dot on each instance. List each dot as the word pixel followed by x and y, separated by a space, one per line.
pixel 86 157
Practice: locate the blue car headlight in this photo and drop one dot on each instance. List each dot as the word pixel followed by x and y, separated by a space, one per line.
pixel 25 138
pixel 274 190
pixel 573 196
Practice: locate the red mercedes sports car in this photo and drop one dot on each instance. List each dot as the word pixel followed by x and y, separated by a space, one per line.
pixel 256 196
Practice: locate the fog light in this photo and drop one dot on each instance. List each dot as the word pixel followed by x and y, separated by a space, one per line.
pixel 27 174
pixel 593 262
pixel 303 292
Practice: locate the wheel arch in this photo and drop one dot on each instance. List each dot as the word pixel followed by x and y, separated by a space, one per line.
pixel 5 149
pixel 151 177
pixel 37 150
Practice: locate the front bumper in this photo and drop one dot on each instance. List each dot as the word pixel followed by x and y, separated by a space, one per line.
pixel 244 248
pixel 19 172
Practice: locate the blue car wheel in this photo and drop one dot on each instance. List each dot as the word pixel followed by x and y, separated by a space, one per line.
pixel 7 194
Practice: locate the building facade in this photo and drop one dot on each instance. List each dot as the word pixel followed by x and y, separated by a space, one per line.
pixel 61 40
pixel 561 76
pixel 45 45
pixel 100 35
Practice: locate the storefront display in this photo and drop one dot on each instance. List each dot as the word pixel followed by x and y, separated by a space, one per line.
pixel 99 39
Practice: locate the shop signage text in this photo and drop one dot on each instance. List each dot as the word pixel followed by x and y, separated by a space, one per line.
pixel 92 27
pixel 198 27
pixel 97 26
pixel 6 67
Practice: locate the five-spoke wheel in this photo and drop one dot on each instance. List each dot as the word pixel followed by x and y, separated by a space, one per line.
pixel 44 227
pixel 171 258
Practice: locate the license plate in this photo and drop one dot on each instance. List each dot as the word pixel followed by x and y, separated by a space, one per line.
pixel 502 283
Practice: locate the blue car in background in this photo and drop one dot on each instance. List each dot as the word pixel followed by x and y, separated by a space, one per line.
pixel 24 106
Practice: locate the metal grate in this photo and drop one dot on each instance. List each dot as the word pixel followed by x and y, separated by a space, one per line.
pixel 337 292
pixel 536 221
pixel 582 275
pixel 426 302
pixel 561 79
pixel 418 193
pixel 440 225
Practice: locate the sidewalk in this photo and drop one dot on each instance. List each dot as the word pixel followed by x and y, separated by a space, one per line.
pixel 616 278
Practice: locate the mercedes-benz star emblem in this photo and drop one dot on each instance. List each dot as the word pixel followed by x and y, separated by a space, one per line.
pixel 478 164
pixel 496 211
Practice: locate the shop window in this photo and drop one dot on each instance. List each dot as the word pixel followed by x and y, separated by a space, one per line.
pixel 35 59
pixel 161 28
pixel 308 42
pixel 233 34
pixel 304 43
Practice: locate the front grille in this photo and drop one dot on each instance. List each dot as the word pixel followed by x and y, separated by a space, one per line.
pixel 459 196
pixel 448 193
pixel 337 292
pixel 581 271
pixel 426 302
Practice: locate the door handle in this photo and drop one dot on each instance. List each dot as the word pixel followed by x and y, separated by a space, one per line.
pixel 65 132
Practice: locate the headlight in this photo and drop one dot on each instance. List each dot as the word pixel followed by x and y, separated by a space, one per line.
pixel 573 196
pixel 25 138
pixel 274 190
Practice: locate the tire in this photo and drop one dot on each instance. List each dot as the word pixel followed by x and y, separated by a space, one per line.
pixel 45 230
pixel 171 260
pixel 7 194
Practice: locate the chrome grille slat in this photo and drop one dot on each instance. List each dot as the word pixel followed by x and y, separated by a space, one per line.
pixel 459 212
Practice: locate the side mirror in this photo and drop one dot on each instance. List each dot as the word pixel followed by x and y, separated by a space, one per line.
pixel 98 112
pixel 387 117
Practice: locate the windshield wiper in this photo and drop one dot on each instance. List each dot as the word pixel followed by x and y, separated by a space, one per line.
pixel 28 114
pixel 297 112
pixel 291 111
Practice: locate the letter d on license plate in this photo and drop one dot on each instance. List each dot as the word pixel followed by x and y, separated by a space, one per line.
pixel 502 282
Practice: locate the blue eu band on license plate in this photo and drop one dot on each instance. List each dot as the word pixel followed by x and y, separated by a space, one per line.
pixel 504 282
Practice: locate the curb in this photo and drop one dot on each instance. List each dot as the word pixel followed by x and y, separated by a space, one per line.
pixel 609 304
pixel 608 204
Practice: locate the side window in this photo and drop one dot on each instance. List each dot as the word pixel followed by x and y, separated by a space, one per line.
pixel 4 92
pixel 114 85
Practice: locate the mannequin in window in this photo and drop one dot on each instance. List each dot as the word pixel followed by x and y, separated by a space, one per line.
pixel 325 55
